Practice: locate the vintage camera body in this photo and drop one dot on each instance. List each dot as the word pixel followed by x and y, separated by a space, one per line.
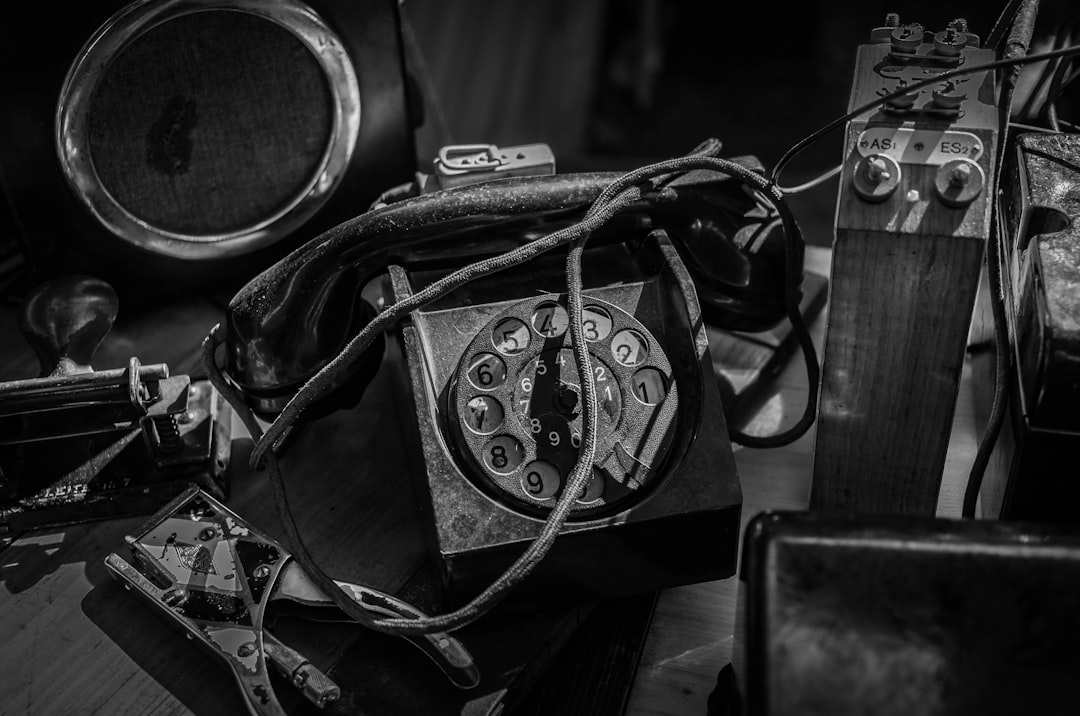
pixel 1039 249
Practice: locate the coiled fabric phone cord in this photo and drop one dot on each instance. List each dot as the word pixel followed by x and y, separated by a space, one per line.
pixel 620 194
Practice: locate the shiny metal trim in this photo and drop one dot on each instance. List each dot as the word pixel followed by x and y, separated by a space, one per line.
pixel 72 133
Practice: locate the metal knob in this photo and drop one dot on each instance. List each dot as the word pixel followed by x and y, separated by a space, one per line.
pixel 949 43
pixel 876 177
pixel 65 320
pixel 959 182
pixel 907 38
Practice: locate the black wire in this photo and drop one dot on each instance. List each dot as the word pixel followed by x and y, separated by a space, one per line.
pixel 618 195
pixel 1001 375
pixel 1003 23
pixel 1049 111
pixel 1017 47
pixel 793 271
pixel 1060 38
pixel 802 144
pixel 1070 79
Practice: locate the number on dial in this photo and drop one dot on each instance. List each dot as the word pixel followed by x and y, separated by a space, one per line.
pixel 510 337
pixel 550 320
pixel 483 414
pixel 487 371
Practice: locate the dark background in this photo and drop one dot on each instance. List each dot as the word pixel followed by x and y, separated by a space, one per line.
pixel 612 85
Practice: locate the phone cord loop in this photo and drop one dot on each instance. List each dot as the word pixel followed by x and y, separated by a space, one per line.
pixel 620 194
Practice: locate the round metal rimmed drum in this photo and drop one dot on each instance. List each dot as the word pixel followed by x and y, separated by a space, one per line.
pixel 204 129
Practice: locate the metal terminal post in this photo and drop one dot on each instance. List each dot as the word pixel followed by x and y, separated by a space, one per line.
pixel 876 177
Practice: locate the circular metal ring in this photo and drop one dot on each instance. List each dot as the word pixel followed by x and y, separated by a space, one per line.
pixel 117 33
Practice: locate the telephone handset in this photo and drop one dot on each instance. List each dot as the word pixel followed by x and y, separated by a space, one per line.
pixel 294 317
pixel 496 396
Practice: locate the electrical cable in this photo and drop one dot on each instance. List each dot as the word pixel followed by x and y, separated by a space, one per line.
pixel 620 194
pixel 1003 23
pixel 1057 85
pixel 799 188
pixel 802 144
pixel 1001 379
pixel 1020 34
pixel 1033 128
pixel 1044 75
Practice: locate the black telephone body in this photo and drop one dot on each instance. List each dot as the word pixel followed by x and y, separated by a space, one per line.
pixel 491 398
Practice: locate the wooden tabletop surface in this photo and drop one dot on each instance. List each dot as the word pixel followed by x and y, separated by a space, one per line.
pixel 693 628
pixel 74 642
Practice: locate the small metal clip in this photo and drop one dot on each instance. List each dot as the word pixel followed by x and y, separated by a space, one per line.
pixel 216 578
pixel 460 164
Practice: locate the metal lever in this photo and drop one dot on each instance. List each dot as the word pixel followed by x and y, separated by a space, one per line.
pixel 65 320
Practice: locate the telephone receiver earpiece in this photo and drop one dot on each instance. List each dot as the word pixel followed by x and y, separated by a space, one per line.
pixel 289 321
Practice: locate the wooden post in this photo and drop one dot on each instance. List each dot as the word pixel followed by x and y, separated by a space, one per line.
pixel 912 218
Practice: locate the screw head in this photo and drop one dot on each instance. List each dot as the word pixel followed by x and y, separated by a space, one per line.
pixel 246 649
pixel 261 572
pixel 208 533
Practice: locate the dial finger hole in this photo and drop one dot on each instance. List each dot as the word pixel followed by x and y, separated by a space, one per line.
pixel 550 320
pixel 483 415
pixel 629 348
pixel 510 337
pixel 649 386
pixel 487 371
pixel 595 323
pixel 540 480
pixel 503 455
pixel 593 489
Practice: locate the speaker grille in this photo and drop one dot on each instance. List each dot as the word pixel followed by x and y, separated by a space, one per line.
pixel 210 122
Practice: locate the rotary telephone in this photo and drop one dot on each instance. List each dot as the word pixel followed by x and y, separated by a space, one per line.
pixel 492 397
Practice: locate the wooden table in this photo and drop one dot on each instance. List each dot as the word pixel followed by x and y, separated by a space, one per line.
pixel 73 642
pixel 693 629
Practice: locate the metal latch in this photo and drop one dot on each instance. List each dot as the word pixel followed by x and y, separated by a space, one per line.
pixel 461 164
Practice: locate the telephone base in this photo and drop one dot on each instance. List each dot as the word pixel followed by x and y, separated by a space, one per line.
pixel 680 527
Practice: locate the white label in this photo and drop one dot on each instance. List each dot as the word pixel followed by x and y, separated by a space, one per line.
pixel 919 146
